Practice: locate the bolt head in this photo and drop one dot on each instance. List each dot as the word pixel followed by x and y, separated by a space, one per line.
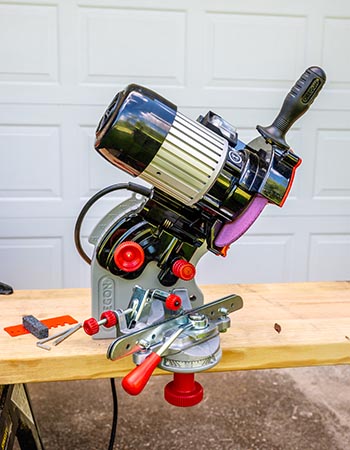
pixel 199 321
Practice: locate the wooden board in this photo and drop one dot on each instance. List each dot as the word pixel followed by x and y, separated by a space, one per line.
pixel 314 320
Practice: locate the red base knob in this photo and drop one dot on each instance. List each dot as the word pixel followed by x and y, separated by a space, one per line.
pixel 183 390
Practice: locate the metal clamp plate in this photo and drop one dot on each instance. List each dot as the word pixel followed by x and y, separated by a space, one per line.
pixel 153 334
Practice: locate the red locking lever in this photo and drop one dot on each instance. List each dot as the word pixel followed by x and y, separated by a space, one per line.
pixel 136 380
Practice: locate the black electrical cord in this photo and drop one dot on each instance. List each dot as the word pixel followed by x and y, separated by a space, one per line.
pixel 115 415
pixel 137 188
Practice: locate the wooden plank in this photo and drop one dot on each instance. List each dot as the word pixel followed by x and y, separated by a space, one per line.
pixel 314 320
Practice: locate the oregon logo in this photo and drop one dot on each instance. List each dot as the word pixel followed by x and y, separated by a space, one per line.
pixel 106 293
pixel 311 90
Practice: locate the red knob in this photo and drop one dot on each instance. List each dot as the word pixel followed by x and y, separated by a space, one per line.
pixel 184 270
pixel 183 390
pixel 129 256
pixel 91 326
pixel 134 382
pixel 111 318
pixel 173 302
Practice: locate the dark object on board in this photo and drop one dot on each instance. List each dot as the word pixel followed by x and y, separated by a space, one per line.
pixel 34 326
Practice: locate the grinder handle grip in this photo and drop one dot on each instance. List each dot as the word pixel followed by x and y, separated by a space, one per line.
pixel 297 102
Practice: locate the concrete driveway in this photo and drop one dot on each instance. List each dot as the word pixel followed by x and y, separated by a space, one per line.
pixel 289 409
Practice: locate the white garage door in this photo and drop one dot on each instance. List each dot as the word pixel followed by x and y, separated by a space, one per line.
pixel 61 62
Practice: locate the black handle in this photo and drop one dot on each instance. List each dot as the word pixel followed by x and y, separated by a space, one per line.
pixel 297 102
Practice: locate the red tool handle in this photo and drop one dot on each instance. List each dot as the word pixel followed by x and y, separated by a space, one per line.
pixel 136 380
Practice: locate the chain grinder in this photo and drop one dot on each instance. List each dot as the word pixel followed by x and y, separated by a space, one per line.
pixel 208 189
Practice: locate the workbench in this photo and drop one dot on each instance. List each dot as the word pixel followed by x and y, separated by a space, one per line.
pixel 280 325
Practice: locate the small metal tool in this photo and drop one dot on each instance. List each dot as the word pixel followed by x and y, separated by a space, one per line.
pixel 59 337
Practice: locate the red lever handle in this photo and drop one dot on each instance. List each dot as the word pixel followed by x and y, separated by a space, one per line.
pixel 135 381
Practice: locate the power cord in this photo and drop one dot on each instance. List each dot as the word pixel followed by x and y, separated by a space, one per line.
pixel 137 188
pixel 115 415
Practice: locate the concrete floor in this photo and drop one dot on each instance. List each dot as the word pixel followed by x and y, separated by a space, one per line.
pixel 290 409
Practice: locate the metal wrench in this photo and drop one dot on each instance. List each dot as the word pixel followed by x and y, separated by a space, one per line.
pixel 59 337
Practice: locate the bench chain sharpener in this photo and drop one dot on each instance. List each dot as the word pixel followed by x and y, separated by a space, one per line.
pixel 207 188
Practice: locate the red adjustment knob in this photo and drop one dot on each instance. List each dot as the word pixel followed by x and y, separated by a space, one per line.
pixel 184 270
pixel 183 390
pixel 91 326
pixel 110 318
pixel 173 302
pixel 129 256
